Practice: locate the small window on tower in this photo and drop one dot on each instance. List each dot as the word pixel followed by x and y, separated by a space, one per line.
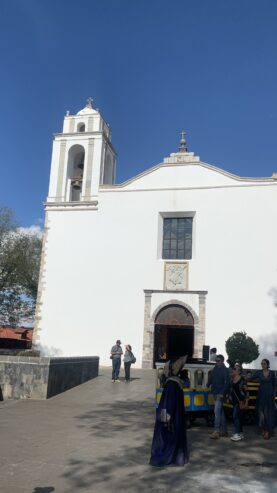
pixel 81 127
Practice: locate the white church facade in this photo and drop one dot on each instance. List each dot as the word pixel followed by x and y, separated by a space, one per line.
pixel 177 257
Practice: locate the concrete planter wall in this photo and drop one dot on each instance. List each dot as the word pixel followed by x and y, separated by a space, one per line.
pixel 40 378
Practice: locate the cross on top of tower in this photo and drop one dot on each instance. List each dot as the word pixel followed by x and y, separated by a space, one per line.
pixel 89 102
pixel 183 142
pixel 88 109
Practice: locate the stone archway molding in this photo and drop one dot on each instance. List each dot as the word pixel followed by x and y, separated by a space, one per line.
pixel 150 316
pixel 174 302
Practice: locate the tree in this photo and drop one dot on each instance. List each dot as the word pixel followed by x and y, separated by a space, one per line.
pixel 15 307
pixel 7 222
pixel 23 254
pixel 7 229
pixel 242 347
pixel 19 270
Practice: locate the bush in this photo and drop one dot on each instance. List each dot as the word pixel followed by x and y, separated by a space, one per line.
pixel 29 353
pixel 242 347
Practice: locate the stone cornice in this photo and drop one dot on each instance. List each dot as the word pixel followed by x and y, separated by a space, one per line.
pixel 118 188
pixel 78 134
pixel 185 291
pixel 211 167
pixel 69 206
pixel 85 135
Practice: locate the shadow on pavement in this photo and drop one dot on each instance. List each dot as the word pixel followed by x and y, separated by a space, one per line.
pixel 121 436
pixel 121 378
pixel 44 489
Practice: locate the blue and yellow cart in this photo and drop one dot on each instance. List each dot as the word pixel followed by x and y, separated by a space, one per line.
pixel 198 399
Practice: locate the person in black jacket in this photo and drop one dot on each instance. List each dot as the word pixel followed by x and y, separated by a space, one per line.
pixel 239 397
pixel 219 383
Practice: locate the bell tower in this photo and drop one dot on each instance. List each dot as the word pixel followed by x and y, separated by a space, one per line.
pixel 82 158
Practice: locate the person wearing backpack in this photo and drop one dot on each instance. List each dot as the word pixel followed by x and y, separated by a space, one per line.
pixel 128 359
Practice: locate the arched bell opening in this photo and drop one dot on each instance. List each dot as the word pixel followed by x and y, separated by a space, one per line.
pixel 81 127
pixel 75 171
pixel 173 333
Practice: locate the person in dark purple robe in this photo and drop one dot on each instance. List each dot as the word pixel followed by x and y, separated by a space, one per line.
pixel 169 445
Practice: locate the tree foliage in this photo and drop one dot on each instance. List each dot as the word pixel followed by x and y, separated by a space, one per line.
pixel 19 270
pixel 242 347
pixel 7 222
pixel 15 307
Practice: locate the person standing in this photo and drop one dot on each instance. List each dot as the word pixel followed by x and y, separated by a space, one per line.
pixel 128 359
pixel 239 397
pixel 169 445
pixel 219 383
pixel 213 352
pixel 265 403
pixel 116 353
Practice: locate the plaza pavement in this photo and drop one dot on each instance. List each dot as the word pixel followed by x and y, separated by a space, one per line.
pixel 96 438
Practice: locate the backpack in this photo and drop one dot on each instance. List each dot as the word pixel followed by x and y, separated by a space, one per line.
pixel 134 359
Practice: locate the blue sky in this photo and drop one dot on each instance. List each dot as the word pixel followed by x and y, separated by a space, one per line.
pixel 153 67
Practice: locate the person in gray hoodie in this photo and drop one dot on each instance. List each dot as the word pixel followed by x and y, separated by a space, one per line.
pixel 128 358
pixel 219 382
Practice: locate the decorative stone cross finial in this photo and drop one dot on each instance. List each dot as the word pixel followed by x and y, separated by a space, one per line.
pixel 89 102
pixel 183 142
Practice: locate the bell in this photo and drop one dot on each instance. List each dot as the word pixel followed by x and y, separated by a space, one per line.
pixel 76 184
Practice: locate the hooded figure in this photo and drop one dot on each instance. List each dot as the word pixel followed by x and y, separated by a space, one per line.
pixel 169 446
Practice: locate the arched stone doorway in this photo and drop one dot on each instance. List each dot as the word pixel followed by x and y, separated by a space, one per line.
pixel 173 333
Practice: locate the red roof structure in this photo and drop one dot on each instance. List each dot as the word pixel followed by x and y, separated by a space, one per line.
pixel 17 333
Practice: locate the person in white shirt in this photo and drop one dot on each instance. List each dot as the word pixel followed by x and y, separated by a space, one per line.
pixel 213 351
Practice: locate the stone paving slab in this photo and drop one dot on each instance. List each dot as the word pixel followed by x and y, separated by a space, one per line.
pixel 96 438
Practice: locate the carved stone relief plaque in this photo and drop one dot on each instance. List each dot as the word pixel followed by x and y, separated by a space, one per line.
pixel 176 276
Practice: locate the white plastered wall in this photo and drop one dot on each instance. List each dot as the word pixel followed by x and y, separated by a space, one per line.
pixel 98 264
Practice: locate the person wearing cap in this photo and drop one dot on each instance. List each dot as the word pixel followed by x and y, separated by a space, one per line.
pixel 169 445
pixel 116 353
